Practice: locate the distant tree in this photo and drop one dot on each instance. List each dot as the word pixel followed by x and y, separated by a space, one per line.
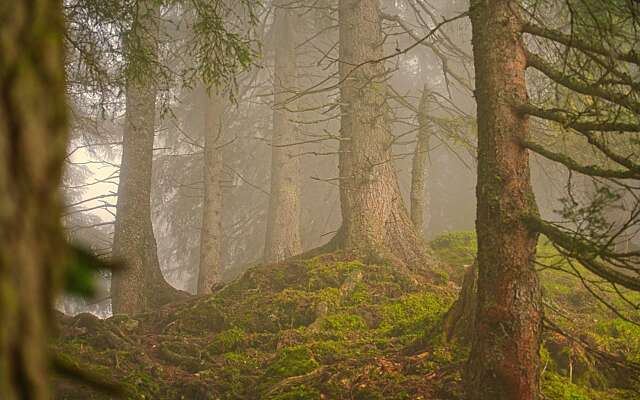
pixel 140 286
pixel 283 217
pixel 210 271
pixel 375 221
pixel 33 140
pixel 217 53
pixel 419 174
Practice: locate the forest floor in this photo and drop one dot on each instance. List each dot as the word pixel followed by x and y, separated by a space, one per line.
pixel 336 328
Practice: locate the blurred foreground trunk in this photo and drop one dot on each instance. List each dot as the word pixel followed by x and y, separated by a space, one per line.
pixel 33 139
pixel 283 219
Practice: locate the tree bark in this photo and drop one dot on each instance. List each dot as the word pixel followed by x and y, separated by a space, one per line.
pixel 33 139
pixel 283 219
pixel 140 286
pixel 504 358
pixel 210 272
pixel 459 322
pixel 418 173
pixel 375 221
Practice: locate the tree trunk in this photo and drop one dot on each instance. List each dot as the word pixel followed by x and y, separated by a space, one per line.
pixel 211 234
pixel 375 221
pixel 140 286
pixel 504 359
pixel 283 219
pixel 459 322
pixel 418 172
pixel 33 139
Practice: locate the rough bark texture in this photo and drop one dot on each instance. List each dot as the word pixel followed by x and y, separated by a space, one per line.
pixel 140 286
pixel 504 359
pixel 458 323
pixel 33 138
pixel 418 172
pixel 283 219
pixel 374 218
pixel 211 234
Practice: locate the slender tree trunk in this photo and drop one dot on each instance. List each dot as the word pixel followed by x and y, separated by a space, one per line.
pixel 140 286
pixel 418 172
pixel 374 218
pixel 283 220
pixel 33 139
pixel 211 234
pixel 504 359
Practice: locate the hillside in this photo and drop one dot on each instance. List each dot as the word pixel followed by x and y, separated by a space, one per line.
pixel 332 328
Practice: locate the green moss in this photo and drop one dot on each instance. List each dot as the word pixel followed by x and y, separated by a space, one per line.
pixel 226 341
pixel 412 314
pixel 323 274
pixel 557 387
pixel 360 295
pixel 456 248
pixel 293 308
pixel 342 324
pixel 301 392
pixel 330 296
pixel 293 361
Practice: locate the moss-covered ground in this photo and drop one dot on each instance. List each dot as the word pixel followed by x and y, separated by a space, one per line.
pixel 332 328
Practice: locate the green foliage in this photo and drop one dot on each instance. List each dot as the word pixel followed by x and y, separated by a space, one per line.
pixel 619 336
pixel 81 270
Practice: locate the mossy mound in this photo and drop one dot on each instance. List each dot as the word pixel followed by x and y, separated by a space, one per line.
pixel 324 328
pixel 337 328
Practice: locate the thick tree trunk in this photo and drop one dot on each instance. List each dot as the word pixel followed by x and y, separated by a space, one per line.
pixel 504 359
pixel 283 219
pixel 210 272
pixel 418 172
pixel 33 139
pixel 140 286
pixel 375 220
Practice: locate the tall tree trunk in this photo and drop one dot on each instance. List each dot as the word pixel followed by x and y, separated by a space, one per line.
pixel 504 359
pixel 418 172
pixel 211 234
pixel 375 220
pixel 283 220
pixel 140 286
pixel 33 139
